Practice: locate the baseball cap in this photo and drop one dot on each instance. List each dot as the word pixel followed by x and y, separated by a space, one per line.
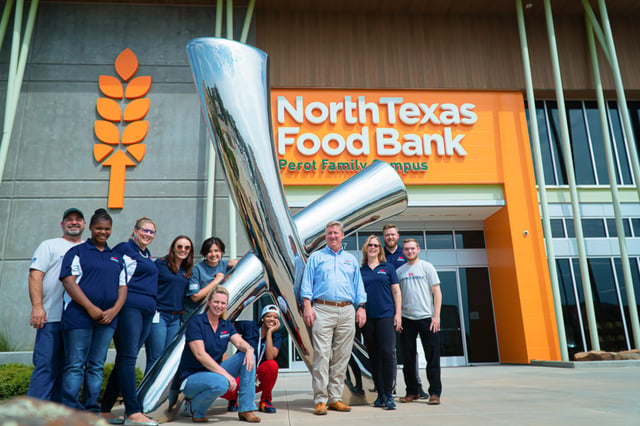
pixel 72 210
pixel 270 308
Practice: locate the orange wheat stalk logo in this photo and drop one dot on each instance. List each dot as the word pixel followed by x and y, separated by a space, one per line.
pixel 134 130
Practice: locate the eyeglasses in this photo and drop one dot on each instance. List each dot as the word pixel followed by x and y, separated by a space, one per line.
pixel 181 247
pixel 147 231
pixel 373 245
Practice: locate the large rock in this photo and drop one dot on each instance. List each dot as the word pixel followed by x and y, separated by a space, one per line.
pixel 632 354
pixel 33 412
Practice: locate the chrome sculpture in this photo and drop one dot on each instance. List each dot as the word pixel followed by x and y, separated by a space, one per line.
pixel 232 83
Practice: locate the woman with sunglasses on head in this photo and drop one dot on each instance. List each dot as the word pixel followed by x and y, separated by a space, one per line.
pixel 202 375
pixel 135 322
pixel 174 271
pixel 206 274
pixel 94 279
pixel 384 318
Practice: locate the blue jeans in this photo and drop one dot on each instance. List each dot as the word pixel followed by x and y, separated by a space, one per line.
pixel 84 348
pixel 204 387
pixel 48 362
pixel 133 328
pixel 160 335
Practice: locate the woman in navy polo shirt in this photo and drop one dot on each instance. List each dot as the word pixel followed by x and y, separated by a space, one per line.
pixel 135 320
pixel 384 317
pixel 174 271
pixel 95 281
pixel 206 274
pixel 202 375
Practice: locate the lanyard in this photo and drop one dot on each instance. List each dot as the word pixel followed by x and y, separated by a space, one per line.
pixel 261 349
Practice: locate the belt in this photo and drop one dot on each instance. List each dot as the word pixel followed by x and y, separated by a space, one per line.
pixel 331 303
pixel 176 312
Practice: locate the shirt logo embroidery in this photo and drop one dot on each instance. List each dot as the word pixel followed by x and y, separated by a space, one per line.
pixel 115 259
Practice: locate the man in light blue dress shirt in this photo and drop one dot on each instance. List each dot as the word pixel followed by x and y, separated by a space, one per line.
pixel 331 288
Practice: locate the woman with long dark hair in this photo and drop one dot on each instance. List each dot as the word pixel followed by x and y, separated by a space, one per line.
pixel 174 271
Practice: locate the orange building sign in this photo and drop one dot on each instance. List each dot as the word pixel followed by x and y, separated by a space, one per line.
pixel 446 137
pixel 134 128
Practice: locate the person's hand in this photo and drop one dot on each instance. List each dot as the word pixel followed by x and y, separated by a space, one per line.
pixel 108 316
pixel 397 322
pixel 249 359
pixel 95 313
pixel 38 317
pixel 274 327
pixel 309 316
pixel 435 324
pixel 232 382
pixel 231 263
pixel 361 317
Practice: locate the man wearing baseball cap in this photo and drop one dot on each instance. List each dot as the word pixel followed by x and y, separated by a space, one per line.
pixel 265 339
pixel 45 292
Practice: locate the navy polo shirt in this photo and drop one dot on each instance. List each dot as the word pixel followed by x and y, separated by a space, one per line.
pixel 215 344
pixel 99 275
pixel 143 276
pixel 171 287
pixel 396 258
pixel 377 284
pixel 250 331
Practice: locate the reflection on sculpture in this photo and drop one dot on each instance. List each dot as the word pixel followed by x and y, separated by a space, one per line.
pixel 231 80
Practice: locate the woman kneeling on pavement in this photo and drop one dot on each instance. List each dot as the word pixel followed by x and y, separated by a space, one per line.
pixel 202 375
pixel 266 340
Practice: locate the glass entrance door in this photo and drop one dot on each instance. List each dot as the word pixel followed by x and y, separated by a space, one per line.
pixel 452 346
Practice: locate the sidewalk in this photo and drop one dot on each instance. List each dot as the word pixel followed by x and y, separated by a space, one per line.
pixel 481 395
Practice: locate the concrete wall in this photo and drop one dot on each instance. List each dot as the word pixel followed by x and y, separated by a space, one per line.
pixel 50 165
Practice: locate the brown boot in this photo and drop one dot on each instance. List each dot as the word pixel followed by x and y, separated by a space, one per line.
pixel 339 406
pixel 248 416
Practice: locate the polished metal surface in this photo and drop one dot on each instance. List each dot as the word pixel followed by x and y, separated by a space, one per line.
pixel 231 80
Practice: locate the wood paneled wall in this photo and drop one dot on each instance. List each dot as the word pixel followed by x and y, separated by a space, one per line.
pixel 342 50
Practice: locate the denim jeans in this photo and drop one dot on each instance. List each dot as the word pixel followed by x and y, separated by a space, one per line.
pixel 133 328
pixel 84 348
pixel 48 362
pixel 204 387
pixel 161 334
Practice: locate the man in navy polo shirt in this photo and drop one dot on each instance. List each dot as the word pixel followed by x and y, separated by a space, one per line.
pixel 394 256
pixel 45 292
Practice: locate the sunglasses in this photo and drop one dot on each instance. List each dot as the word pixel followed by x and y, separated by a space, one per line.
pixel 147 231
pixel 373 245
pixel 181 247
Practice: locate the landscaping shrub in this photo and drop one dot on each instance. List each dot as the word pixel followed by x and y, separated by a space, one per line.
pixel 14 380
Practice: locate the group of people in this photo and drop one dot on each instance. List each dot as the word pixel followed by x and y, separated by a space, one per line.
pixel 391 291
pixel 84 294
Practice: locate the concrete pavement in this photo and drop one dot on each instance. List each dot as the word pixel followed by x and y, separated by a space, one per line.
pixel 479 395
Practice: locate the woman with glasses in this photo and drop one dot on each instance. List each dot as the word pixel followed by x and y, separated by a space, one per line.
pixel 135 322
pixel 206 274
pixel 174 271
pixel 384 318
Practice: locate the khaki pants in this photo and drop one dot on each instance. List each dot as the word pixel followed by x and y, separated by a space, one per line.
pixel 332 335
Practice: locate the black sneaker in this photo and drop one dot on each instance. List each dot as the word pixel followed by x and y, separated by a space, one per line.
pixel 379 402
pixel 423 394
pixel 389 403
pixel 233 406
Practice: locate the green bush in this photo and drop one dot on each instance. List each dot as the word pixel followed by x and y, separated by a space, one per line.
pixel 14 380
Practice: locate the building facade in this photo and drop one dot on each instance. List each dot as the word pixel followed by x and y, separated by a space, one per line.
pixel 446 92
